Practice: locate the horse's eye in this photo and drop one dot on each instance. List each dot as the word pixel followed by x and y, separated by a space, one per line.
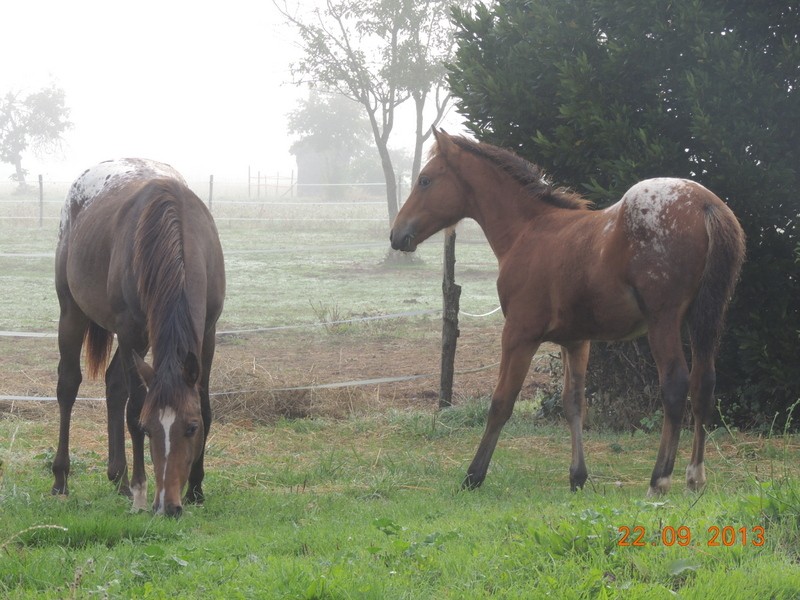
pixel 191 429
pixel 424 181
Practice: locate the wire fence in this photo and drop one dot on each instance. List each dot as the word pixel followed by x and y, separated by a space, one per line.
pixel 321 386
pixel 237 205
pixel 256 198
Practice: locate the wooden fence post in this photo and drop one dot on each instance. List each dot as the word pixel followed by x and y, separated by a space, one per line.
pixel 451 294
pixel 210 190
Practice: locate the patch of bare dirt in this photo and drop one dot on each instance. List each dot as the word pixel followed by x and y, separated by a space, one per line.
pixel 263 376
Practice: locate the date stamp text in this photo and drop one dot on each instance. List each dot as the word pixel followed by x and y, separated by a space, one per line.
pixel 725 536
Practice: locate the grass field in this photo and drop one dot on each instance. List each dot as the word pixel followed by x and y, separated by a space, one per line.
pixel 369 507
pixel 353 492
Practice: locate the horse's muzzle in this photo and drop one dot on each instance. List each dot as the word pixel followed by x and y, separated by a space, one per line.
pixel 170 510
pixel 402 240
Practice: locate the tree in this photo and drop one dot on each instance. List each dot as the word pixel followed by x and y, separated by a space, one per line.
pixel 429 47
pixel 35 120
pixel 333 129
pixel 377 54
pixel 603 93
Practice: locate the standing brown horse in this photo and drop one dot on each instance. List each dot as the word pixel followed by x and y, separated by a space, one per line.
pixel 138 255
pixel 669 252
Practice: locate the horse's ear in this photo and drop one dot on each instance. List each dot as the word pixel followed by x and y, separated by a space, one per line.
pixel 191 369
pixel 443 141
pixel 145 371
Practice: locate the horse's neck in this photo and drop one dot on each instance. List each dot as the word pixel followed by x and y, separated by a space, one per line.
pixel 501 213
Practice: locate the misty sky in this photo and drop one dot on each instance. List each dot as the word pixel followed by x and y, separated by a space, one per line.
pixel 203 86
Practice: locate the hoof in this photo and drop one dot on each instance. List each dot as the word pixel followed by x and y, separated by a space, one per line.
pixel 195 496
pixel 472 481
pixel 577 478
pixel 139 497
pixel 695 477
pixel 660 487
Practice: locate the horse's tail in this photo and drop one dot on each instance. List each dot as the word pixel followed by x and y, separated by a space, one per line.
pixel 726 251
pixel 98 348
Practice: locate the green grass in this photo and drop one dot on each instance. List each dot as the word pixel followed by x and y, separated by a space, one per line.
pixel 275 271
pixel 370 508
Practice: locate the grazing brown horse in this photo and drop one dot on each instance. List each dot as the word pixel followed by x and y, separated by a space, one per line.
pixel 669 252
pixel 139 256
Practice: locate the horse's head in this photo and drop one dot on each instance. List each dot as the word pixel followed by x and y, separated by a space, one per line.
pixel 172 419
pixel 437 200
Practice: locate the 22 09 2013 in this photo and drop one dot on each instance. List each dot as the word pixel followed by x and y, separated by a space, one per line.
pixel 715 535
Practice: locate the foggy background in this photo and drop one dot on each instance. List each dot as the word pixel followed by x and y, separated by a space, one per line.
pixel 203 86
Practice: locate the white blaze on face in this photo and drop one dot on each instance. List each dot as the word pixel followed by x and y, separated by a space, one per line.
pixel 167 419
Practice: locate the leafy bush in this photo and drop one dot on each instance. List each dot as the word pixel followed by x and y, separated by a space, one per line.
pixel 604 93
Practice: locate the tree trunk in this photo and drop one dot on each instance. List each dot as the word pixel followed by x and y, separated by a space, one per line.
pixel 419 139
pixel 20 173
pixel 391 182
pixel 382 143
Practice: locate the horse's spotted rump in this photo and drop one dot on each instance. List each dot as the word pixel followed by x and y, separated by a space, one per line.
pixel 107 176
pixel 651 211
pixel 647 203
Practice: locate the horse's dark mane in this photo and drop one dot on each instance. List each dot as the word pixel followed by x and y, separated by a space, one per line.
pixel 158 262
pixel 530 176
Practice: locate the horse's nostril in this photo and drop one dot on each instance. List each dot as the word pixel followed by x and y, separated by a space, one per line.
pixel 174 510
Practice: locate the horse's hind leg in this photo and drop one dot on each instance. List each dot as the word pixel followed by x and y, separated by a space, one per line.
pixel 116 398
pixel 701 390
pixel 575 359
pixel 514 364
pixel 72 325
pixel 673 375
pixel 136 394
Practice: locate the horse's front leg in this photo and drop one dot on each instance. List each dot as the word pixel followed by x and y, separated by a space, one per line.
pixel 575 358
pixel 71 329
pixel 194 492
pixel 514 364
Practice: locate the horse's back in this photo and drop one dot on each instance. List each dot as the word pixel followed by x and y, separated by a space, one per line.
pixel 106 180
pixel 103 209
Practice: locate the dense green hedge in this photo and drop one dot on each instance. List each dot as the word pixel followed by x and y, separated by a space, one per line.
pixel 603 93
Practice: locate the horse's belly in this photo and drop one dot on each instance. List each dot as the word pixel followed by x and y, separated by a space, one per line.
pixel 600 333
pixel 637 330
pixel 616 317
